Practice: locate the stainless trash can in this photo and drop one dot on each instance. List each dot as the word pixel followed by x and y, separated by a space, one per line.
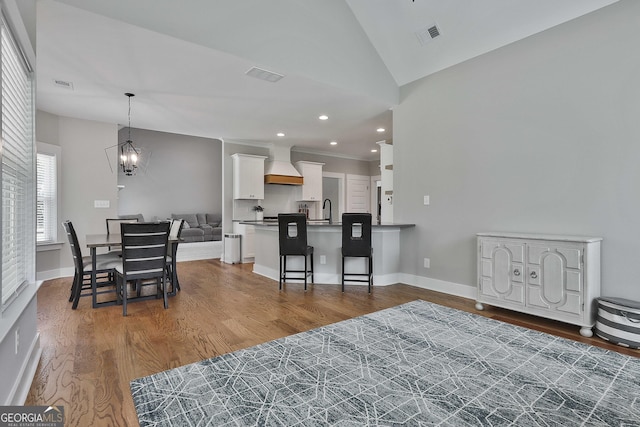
pixel 232 248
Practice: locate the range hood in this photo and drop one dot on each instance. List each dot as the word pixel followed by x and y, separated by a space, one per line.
pixel 278 169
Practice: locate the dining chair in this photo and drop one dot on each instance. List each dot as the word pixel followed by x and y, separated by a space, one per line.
pixel 113 227
pixel 356 242
pixel 292 230
pixel 105 265
pixel 175 231
pixel 144 260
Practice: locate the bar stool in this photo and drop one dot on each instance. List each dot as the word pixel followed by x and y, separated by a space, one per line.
pixel 292 229
pixel 356 242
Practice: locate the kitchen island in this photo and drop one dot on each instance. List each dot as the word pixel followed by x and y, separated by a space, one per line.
pixel 327 242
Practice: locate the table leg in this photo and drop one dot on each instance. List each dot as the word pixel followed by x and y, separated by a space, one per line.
pixel 174 271
pixel 94 285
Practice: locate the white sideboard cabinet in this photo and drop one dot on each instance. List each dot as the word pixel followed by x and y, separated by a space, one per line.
pixel 248 176
pixel 557 277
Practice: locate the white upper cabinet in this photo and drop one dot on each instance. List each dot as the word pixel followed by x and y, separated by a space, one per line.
pixel 311 189
pixel 248 176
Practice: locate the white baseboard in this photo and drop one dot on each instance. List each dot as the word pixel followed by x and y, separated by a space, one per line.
pixel 193 251
pixel 20 389
pixel 439 285
pixel 386 280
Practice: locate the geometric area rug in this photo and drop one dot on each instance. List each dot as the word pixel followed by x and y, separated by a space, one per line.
pixel 417 364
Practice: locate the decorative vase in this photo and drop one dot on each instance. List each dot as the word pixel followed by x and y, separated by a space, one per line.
pixel 259 215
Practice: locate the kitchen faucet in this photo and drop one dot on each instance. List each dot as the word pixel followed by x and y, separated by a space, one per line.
pixel 330 213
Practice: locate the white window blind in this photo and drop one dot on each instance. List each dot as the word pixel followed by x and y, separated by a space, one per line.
pixel 46 200
pixel 17 213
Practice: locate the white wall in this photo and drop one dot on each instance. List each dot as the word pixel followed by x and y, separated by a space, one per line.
pixel 542 135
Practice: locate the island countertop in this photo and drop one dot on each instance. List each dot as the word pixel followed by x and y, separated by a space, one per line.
pixel 325 223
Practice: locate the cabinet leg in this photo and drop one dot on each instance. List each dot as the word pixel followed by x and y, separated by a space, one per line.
pixel 479 306
pixel 586 331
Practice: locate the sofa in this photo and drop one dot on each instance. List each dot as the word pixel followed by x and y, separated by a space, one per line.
pixel 200 227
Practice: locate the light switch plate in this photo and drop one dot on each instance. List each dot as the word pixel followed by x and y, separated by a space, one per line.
pixel 426 200
pixel 101 204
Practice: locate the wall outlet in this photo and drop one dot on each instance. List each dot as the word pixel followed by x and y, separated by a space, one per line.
pixel 17 339
pixel 427 263
pixel 323 259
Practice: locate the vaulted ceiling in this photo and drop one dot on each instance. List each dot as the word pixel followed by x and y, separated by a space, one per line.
pixel 186 61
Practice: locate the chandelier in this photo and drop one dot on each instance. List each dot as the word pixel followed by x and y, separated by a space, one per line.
pixel 129 155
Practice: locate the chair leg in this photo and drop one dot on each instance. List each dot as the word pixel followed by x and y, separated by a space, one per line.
pixel 164 291
pixel 77 290
pixel 73 286
pixel 312 280
pixel 342 273
pixel 280 275
pixel 124 297
pixel 370 273
pixel 305 273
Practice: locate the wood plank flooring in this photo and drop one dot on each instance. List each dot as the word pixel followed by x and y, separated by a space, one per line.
pixel 89 356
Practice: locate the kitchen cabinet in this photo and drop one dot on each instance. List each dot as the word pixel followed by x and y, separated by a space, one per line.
pixel 556 277
pixel 248 176
pixel 247 241
pixel 311 189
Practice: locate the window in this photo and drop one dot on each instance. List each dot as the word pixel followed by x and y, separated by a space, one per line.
pixel 17 168
pixel 47 193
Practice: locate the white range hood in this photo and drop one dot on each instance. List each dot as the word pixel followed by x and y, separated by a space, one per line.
pixel 278 169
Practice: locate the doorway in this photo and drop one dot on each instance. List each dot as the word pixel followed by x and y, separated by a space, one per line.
pixel 333 189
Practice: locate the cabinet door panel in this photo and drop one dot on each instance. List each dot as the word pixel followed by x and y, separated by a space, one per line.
pixel 501 271
pixel 553 278
pixel 573 304
pixel 574 280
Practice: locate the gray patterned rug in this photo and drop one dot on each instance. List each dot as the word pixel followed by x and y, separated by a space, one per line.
pixel 417 364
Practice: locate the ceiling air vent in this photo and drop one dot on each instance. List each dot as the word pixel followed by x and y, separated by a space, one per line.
pixel 262 74
pixel 62 83
pixel 426 34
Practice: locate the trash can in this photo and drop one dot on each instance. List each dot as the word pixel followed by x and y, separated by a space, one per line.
pixel 232 248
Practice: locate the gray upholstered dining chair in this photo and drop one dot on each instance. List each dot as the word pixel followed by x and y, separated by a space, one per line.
pixel 113 227
pixel 144 260
pixel 105 265
pixel 175 232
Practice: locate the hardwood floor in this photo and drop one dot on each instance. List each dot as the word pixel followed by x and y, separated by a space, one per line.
pixel 89 356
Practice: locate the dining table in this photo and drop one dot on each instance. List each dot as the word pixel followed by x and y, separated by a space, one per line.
pixel 96 241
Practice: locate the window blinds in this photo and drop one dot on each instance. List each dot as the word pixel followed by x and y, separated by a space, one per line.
pixel 17 167
pixel 46 205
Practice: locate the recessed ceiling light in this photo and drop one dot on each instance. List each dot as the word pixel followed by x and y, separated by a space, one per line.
pixel 333 143
pixel 374 150
pixel 280 134
pixel 380 130
pixel 324 117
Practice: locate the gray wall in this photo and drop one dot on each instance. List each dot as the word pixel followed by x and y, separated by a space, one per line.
pixel 183 174
pixel 333 164
pixel 542 136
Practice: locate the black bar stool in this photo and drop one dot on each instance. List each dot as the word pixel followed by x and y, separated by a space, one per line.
pixel 292 229
pixel 356 242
